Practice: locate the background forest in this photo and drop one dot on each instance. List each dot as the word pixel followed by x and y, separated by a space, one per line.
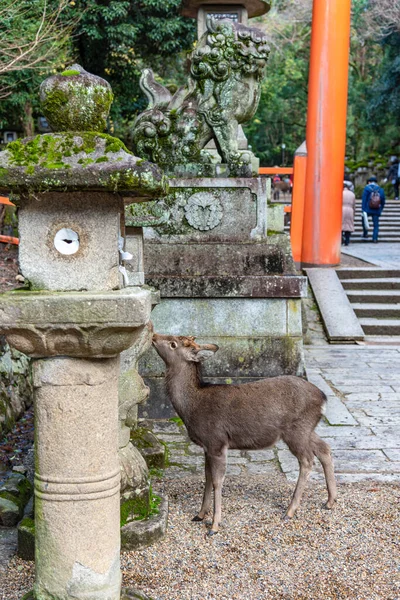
pixel 117 38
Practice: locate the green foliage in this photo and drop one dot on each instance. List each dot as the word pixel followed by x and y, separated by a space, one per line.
pixel 281 116
pixel 384 106
pixel 43 30
pixel 374 88
pixel 117 38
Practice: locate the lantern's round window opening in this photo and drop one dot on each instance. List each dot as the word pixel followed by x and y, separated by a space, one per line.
pixel 66 241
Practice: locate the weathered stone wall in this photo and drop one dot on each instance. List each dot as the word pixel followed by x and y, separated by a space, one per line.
pixel 257 337
pixel 15 385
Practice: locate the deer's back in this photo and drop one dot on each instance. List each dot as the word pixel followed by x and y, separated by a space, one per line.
pixel 256 414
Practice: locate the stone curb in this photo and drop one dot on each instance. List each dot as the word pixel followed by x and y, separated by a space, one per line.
pixel 139 534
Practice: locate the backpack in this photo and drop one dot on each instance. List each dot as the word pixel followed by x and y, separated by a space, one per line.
pixel 375 200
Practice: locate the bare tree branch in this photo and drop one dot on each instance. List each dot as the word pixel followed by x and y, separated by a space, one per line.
pixel 38 44
pixel 287 22
pixel 382 18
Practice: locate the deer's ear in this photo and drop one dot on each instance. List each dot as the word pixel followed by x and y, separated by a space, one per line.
pixel 205 352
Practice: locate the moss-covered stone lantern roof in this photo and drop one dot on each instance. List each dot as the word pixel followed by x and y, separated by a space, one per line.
pixel 78 156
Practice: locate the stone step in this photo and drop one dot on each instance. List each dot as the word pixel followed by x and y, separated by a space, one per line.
pixel 376 310
pixel 383 235
pixel 382 240
pixel 380 326
pixel 388 226
pixel 384 283
pixel 374 296
pixel 387 220
pixel 364 272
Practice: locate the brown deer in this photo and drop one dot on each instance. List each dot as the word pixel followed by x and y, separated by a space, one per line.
pixel 250 416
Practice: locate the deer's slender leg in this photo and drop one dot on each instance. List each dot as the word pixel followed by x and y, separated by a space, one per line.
pixel 218 468
pixel 305 463
pixel 207 496
pixel 323 453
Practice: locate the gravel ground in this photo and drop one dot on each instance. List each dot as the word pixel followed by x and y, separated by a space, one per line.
pixel 352 552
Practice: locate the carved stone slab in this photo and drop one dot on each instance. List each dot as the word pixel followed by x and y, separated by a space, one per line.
pixel 83 324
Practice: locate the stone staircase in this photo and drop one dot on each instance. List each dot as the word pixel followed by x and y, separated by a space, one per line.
pixel 389 223
pixel 374 294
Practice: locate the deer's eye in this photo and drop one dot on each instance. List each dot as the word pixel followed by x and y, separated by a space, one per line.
pixel 173 345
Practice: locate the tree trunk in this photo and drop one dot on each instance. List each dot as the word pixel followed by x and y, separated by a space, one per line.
pixel 28 123
pixel 2 214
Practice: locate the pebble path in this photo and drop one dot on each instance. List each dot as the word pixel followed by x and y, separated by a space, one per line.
pixel 350 553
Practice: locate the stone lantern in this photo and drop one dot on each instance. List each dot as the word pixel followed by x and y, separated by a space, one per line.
pixel 74 319
pixel 236 10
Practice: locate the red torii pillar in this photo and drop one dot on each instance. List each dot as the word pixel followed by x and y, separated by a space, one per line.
pixel 326 132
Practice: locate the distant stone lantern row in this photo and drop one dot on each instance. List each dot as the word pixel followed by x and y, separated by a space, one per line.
pixel 74 321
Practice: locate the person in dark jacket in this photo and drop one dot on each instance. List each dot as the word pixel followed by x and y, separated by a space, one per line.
pixel 394 177
pixel 371 190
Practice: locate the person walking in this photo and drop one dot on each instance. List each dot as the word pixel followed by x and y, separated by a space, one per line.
pixel 349 207
pixel 394 176
pixel 373 203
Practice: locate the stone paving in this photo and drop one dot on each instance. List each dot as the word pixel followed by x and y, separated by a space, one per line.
pixel 362 422
pixel 382 255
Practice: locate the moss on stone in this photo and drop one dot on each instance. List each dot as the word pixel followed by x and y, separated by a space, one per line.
pixel 28 596
pixel 140 508
pixel 55 102
pixel 49 151
pixel 27 162
pixel 44 150
pixel 139 438
pixel 69 72
pixel 85 161
pixel 75 105
pixel 28 524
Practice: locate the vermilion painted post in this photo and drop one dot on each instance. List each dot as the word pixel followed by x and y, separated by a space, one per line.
pixel 298 194
pixel 326 132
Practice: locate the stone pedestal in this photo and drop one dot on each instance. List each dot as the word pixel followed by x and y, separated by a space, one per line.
pixel 77 479
pixel 76 340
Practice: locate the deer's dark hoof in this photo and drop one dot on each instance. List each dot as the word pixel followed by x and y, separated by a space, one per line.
pixel 197 519
pixel 286 518
pixel 210 532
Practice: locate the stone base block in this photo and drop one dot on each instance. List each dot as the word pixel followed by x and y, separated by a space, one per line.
pixel 139 534
pixel 152 450
pixel 257 338
pixel 126 594
pixel 26 539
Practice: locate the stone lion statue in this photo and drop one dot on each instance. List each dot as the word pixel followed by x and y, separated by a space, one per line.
pixel 223 91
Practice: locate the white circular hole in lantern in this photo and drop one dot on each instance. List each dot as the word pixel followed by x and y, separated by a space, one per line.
pixel 66 241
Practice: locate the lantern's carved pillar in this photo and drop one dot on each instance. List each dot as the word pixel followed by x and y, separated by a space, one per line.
pixel 74 321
